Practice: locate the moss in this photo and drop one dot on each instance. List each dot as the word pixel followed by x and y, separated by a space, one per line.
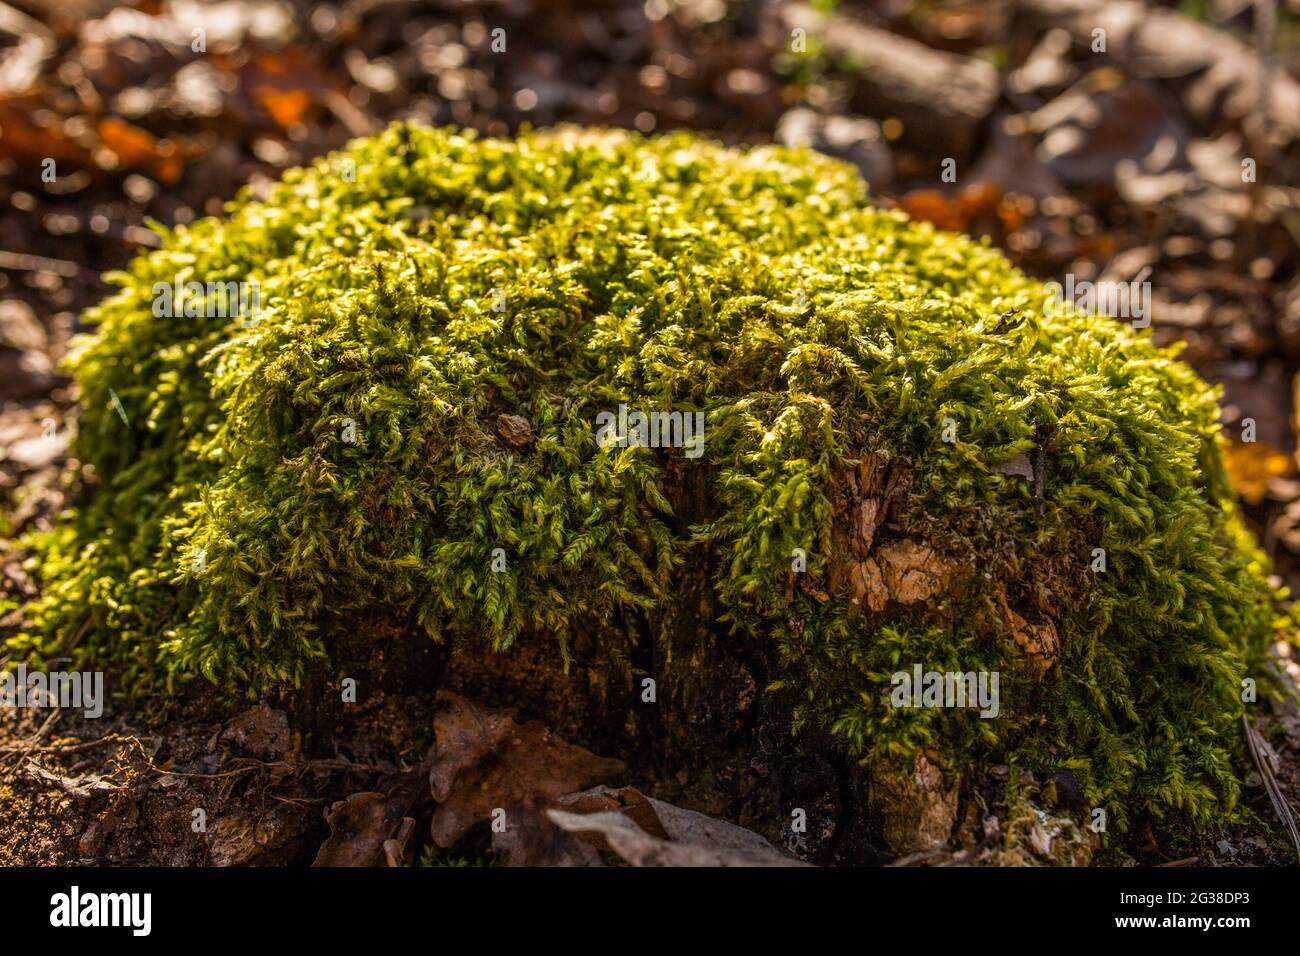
pixel 432 856
pixel 261 484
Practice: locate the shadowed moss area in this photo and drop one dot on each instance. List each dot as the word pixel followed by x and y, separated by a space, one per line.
pixel 885 399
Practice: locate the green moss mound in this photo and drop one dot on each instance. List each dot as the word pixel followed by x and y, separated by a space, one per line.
pixel 258 484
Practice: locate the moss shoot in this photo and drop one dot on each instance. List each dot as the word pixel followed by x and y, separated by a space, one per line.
pixel 907 459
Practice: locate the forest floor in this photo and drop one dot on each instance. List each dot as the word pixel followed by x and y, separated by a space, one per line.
pixel 1171 155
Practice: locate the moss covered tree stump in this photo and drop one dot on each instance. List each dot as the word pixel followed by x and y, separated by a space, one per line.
pixel 659 410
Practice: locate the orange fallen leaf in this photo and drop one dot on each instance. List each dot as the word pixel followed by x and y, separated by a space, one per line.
pixel 24 139
pixel 954 213
pixel 285 106
pixel 137 149
pixel 1252 465
pixel 932 206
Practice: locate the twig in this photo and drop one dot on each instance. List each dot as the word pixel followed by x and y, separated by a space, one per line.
pixel 1275 795
pixel 10 768
pixel 68 748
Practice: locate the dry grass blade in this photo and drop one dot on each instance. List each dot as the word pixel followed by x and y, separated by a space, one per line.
pixel 1275 795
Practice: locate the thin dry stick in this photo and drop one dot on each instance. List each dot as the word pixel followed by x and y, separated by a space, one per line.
pixel 30 747
pixel 68 748
pixel 1275 795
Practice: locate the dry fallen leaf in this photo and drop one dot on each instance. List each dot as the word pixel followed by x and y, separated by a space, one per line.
pixel 1253 465
pixel 81 787
pixel 289 84
pixel 712 846
pixel 465 733
pixel 286 107
pixel 626 800
pixel 531 839
pixel 485 761
pixel 371 828
pixel 359 828
pixel 664 821
pixel 30 134
pixel 137 149
pixel 395 849
pixel 957 213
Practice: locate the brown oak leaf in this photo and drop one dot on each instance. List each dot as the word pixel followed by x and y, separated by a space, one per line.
pixel 485 761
